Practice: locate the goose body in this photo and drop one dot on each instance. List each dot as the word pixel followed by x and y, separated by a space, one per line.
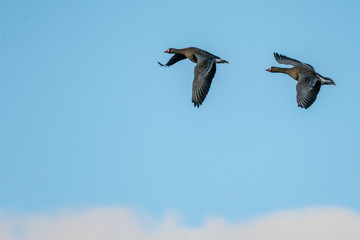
pixel 204 70
pixel 309 81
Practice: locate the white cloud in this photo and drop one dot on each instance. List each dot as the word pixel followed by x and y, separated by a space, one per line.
pixel 125 224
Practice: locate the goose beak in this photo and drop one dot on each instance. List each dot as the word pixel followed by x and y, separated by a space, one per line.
pixel 166 51
pixel 269 69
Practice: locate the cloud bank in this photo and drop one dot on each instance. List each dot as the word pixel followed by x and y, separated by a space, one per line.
pixel 125 224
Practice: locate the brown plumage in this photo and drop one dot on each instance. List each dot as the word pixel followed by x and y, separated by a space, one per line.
pixel 309 81
pixel 204 70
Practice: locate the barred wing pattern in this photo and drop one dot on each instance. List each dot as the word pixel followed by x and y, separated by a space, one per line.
pixel 204 73
pixel 307 90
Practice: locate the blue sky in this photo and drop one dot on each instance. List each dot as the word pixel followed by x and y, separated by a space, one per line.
pixel 90 119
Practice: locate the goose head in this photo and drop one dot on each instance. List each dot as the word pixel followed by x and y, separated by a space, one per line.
pixel 170 50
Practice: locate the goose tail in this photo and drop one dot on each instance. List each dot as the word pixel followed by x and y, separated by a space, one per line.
pixel 326 80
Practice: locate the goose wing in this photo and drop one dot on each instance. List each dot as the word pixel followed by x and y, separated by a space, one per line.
pixel 204 73
pixel 307 89
pixel 282 59
pixel 174 59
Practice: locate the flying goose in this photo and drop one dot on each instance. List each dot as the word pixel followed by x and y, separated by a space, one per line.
pixel 309 81
pixel 204 70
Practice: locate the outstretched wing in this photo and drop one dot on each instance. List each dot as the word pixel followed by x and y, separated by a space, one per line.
pixel 282 59
pixel 177 57
pixel 204 73
pixel 307 90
